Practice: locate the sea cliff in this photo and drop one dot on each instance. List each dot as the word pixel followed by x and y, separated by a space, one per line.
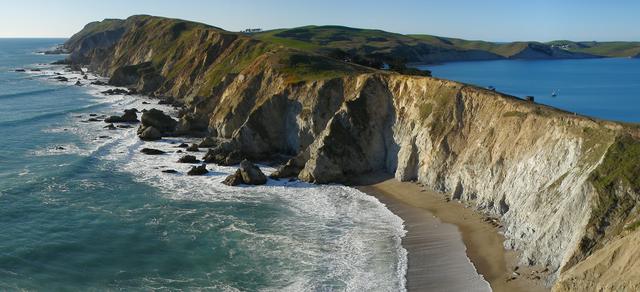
pixel 565 186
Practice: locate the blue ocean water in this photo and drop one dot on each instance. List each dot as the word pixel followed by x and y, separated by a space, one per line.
pixel 81 209
pixel 607 88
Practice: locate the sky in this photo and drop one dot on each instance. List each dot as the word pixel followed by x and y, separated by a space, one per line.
pixel 492 20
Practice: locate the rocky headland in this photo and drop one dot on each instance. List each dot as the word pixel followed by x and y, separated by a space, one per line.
pixel 565 187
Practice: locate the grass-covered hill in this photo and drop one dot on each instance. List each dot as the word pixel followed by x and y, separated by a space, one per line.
pixel 369 47
pixel 374 47
pixel 510 49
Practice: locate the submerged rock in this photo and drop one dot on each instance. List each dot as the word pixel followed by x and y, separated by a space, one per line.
pixel 170 171
pixel 110 127
pixel 198 170
pixel 151 151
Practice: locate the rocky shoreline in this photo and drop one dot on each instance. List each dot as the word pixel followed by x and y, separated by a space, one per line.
pixel 154 124
pixel 552 178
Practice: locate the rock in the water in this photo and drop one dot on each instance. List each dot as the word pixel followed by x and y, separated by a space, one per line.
pixel 110 127
pixel 198 170
pixel 183 145
pixel 224 154
pixel 188 159
pixel 248 173
pixel 145 102
pixel 251 174
pixel 129 116
pixel 20 70
pixel 170 171
pixel 233 179
pixel 159 120
pixel 193 148
pixel 115 91
pixel 78 83
pixel 150 134
pixel 151 151
pixel 98 82
pixel 291 169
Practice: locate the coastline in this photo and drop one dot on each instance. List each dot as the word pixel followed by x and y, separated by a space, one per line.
pixel 420 208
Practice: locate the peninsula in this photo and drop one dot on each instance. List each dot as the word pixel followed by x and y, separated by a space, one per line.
pixel 565 187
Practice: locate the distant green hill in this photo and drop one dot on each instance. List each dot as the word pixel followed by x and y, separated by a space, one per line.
pixel 607 49
pixel 369 47
pixel 600 49
pixel 376 47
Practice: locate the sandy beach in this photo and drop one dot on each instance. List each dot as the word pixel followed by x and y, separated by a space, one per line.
pixel 438 232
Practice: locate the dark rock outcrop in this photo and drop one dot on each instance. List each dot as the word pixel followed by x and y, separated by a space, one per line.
pixel 149 134
pixel 234 179
pixel 248 173
pixel 129 116
pixel 159 120
pixel 193 148
pixel 188 159
pixel 198 170
pixel 292 168
pixel 156 124
pixel 151 151
pixel 224 154
pixel 116 91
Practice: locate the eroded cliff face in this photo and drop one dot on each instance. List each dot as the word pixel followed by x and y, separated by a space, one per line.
pixel 565 186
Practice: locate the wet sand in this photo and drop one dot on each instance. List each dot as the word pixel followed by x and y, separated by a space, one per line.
pixel 437 234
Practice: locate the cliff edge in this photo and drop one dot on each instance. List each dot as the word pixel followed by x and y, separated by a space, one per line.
pixel 565 186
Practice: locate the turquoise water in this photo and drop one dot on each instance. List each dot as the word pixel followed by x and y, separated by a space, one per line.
pixel 81 209
pixel 604 88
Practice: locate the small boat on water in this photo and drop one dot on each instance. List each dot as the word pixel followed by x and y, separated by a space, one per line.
pixel 555 93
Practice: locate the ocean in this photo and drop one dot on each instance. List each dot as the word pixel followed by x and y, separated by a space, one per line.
pixel 607 88
pixel 82 209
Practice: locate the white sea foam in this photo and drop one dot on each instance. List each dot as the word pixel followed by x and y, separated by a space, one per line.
pixel 339 237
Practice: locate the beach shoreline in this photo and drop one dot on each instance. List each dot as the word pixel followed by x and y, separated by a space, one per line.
pixel 482 242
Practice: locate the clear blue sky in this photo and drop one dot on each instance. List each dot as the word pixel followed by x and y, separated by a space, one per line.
pixel 495 20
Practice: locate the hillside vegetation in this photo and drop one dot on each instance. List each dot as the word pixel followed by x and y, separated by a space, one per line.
pixel 564 186
pixel 377 46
